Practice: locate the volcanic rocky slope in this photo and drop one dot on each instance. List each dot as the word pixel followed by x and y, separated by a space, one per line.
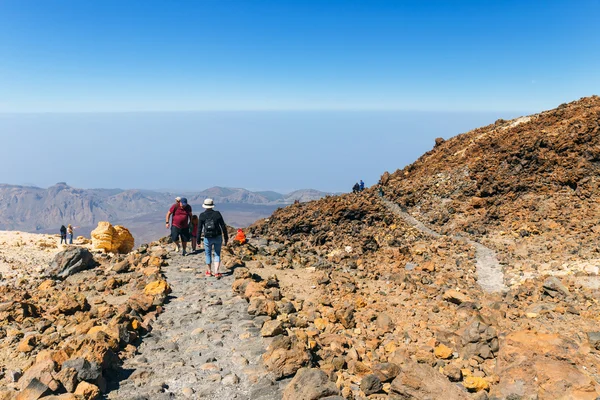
pixel 397 312
pixel 526 187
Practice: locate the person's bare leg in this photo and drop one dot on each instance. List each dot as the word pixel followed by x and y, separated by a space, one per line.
pixel 208 271
pixel 217 264
pixel 176 245
pixel 184 245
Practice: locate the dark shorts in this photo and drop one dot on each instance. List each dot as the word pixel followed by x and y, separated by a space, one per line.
pixel 177 232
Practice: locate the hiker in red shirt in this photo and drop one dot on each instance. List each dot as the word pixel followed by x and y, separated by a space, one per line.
pixel 182 215
pixel 194 232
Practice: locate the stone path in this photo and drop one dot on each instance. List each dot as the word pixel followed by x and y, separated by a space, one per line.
pixel 204 346
pixel 489 271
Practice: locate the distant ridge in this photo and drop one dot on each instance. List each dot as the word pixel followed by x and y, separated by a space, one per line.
pixel 31 208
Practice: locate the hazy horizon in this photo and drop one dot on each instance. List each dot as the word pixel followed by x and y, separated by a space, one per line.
pixel 281 151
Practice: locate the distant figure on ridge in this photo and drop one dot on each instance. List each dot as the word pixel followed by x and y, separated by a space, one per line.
pixel 362 185
pixel 240 237
pixel 194 232
pixel 380 191
pixel 63 234
pixel 70 232
pixel 215 235
pixel 182 214
pixel 356 188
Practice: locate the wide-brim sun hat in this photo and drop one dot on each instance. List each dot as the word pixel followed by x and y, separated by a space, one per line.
pixel 177 198
pixel 208 203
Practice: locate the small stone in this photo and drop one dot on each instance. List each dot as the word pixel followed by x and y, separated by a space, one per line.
pixel 553 285
pixel 370 384
pixel 453 372
pixel 386 371
pixel 475 383
pixel 456 297
pixel 88 391
pixel 86 371
pixel 272 328
pixel 187 392
pixel 442 351
pixel 210 367
pixel 239 360
pixel 385 323
pixel 27 344
pixel 310 383
pixel 14 375
pixel 321 323
pixel 230 380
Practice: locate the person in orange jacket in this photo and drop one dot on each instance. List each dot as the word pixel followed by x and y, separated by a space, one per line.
pixel 240 237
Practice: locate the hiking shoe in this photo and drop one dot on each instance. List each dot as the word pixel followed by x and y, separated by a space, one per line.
pixel 208 273
pixel 184 253
pixel 218 275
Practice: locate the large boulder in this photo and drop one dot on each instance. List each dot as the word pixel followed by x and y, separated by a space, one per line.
pixel 111 239
pixel 70 261
pixel 310 384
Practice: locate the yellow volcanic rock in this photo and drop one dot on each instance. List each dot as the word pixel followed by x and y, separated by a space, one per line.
pixel 475 383
pixel 125 239
pixel 111 239
pixel 157 287
pixel 443 352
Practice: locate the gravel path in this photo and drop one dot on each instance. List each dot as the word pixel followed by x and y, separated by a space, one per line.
pixel 205 345
pixel 489 271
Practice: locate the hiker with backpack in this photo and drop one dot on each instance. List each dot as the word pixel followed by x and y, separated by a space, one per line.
pixel 182 214
pixel 63 234
pixel 362 185
pixel 215 235
pixel 356 188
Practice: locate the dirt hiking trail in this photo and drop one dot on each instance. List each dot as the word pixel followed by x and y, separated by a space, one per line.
pixel 489 271
pixel 204 345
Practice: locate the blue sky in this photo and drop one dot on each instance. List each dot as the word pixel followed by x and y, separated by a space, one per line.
pixel 477 60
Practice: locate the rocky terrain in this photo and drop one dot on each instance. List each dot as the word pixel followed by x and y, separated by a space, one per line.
pixel 67 324
pixel 474 276
pixel 526 187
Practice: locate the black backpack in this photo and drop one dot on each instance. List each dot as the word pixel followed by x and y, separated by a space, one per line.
pixel 210 226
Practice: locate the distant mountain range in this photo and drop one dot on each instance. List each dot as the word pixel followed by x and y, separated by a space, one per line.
pixel 34 209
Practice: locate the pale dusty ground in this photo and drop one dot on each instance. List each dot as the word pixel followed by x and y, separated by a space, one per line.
pixel 23 253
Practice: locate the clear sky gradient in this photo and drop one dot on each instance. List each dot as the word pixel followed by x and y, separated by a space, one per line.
pixel 322 69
